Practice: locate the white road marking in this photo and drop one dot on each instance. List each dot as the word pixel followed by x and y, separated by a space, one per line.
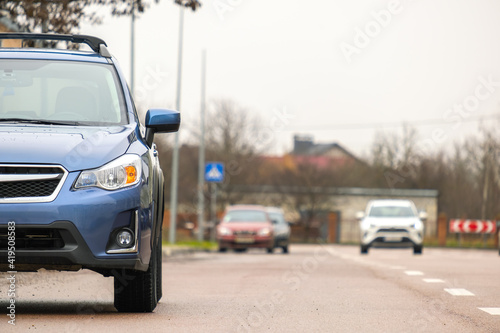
pixel 433 280
pixel 458 292
pixel 414 273
pixel 491 311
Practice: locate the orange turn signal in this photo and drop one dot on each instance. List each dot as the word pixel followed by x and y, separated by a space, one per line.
pixel 131 174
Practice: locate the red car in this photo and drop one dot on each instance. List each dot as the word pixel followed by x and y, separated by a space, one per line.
pixel 245 226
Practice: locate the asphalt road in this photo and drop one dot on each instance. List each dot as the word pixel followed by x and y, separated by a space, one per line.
pixel 312 289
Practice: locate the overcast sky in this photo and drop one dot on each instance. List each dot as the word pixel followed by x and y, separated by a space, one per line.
pixel 339 70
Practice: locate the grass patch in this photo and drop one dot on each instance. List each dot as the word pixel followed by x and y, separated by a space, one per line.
pixel 194 244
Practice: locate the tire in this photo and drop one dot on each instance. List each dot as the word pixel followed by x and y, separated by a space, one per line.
pixel 161 211
pixel 137 291
pixel 222 249
pixel 285 249
pixel 364 249
pixel 417 249
pixel 159 278
pixel 270 250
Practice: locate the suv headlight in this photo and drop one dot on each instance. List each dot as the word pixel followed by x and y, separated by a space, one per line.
pixel 365 225
pixel 418 225
pixel 123 172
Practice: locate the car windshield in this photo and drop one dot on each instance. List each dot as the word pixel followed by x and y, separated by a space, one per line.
pixel 391 211
pixel 245 216
pixel 277 217
pixel 60 91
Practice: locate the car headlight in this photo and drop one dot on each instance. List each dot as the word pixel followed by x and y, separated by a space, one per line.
pixel 365 225
pixel 264 232
pixel 223 231
pixel 418 225
pixel 123 172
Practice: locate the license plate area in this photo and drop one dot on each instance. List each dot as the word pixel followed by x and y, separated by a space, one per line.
pixel 244 240
pixel 393 239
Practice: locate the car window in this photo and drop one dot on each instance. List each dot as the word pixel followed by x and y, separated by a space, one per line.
pixel 245 216
pixel 87 93
pixel 391 211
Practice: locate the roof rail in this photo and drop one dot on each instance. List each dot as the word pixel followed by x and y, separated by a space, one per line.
pixel 96 44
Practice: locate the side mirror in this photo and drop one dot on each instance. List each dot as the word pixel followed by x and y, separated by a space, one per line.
pixel 161 121
pixel 360 215
pixel 422 215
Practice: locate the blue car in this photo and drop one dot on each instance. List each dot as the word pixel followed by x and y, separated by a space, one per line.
pixel 80 181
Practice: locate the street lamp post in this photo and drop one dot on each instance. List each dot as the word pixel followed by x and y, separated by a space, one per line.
pixel 175 156
pixel 193 4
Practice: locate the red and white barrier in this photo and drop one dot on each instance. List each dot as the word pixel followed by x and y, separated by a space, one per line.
pixel 473 226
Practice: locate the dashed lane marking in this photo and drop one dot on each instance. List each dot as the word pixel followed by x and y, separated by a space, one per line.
pixel 414 273
pixel 491 311
pixel 433 280
pixel 458 292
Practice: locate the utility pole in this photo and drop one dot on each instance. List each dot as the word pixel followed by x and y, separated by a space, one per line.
pixel 193 4
pixel 132 46
pixel 201 153
pixel 175 157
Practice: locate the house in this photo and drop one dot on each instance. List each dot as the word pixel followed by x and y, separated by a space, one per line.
pixel 323 155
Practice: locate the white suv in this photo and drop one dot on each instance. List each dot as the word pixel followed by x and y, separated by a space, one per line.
pixel 391 223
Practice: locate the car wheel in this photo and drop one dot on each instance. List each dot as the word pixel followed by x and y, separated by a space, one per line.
pixel 137 291
pixel 285 249
pixel 417 249
pixel 270 250
pixel 364 249
pixel 240 250
pixel 222 249
pixel 159 257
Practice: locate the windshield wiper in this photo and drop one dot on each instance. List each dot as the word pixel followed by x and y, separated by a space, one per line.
pixel 38 121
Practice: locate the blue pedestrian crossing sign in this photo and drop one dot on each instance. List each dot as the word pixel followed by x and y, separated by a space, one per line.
pixel 214 172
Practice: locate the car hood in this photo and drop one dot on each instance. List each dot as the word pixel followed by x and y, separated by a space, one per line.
pixel 391 221
pixel 75 148
pixel 246 226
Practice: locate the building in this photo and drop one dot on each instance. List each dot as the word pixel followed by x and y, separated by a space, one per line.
pixel 321 154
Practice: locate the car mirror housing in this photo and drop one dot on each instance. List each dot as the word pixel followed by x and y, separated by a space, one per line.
pixel 161 121
pixel 360 215
pixel 422 215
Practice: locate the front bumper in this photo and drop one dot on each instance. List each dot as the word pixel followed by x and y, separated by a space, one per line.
pixel 281 240
pixel 80 225
pixel 232 242
pixel 392 237
pixel 58 246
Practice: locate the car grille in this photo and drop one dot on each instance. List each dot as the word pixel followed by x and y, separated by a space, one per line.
pixel 33 239
pixel 392 230
pixel 30 183
pixel 244 233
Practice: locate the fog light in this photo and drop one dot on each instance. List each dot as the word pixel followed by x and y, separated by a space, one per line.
pixel 124 238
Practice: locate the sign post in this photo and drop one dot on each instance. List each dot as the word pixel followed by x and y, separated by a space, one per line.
pixel 214 173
